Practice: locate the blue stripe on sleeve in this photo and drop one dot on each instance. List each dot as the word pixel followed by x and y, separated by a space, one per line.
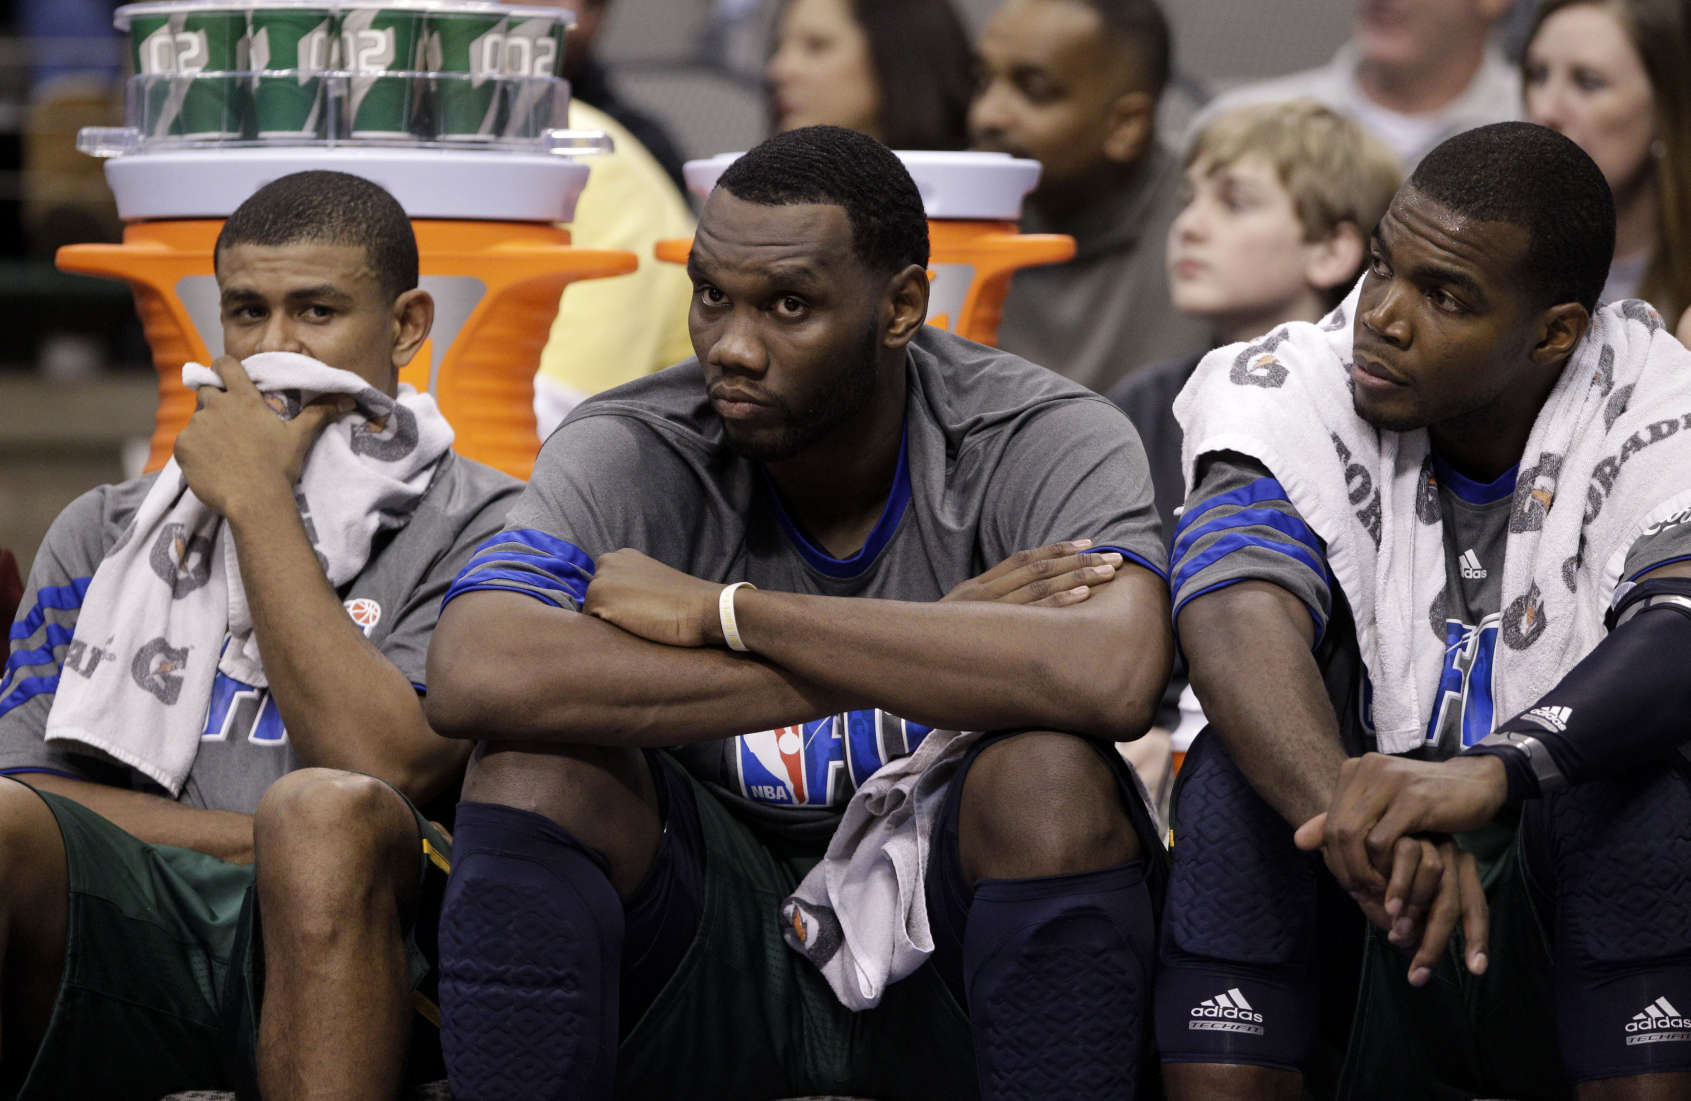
pixel 528 562
pixel 23 770
pixel 57 635
pixel 1263 489
pixel 1233 541
pixel 61 598
pixel 1288 524
pixel 1130 556
pixel 27 689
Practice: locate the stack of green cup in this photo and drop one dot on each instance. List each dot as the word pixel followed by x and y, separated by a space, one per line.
pixel 380 40
pixel 467 50
pixel 301 42
pixel 186 55
pixel 534 53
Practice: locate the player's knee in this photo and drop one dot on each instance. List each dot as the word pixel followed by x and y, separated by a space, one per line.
pixel 588 790
pixel 315 817
pixel 31 851
pixel 1619 856
pixel 1042 804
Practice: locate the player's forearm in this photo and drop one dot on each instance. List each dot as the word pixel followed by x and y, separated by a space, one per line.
pixel 344 705
pixel 1248 647
pixel 224 834
pixel 1094 668
pixel 506 667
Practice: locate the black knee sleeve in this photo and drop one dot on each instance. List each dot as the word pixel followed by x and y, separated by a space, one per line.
pixel 1613 859
pixel 1058 974
pixel 1237 981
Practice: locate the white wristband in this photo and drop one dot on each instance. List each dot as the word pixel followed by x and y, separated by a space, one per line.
pixel 725 613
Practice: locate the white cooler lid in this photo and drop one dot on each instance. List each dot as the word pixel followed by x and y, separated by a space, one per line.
pixel 432 182
pixel 985 186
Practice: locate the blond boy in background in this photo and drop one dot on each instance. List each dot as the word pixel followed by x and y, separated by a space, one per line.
pixel 1275 212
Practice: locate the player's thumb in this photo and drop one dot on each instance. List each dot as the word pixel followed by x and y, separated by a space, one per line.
pixel 312 419
pixel 1308 836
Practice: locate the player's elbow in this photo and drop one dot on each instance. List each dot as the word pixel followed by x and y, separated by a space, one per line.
pixel 1111 693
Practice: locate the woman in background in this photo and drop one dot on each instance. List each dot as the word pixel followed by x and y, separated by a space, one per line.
pixel 1615 76
pixel 900 71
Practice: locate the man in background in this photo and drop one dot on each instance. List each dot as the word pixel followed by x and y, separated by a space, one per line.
pixel 1074 85
pixel 1415 72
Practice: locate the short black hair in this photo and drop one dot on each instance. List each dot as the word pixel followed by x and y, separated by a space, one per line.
pixel 840 167
pixel 1143 28
pixel 335 208
pixel 1535 178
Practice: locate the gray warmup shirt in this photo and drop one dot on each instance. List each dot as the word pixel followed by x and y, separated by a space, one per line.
pixel 244 748
pixel 1238 525
pixel 998 455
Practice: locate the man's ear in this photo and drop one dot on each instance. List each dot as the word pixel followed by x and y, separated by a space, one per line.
pixel 1560 328
pixel 1335 260
pixel 906 305
pixel 413 317
pixel 1130 127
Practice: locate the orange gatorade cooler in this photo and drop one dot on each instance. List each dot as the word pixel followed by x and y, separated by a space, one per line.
pixel 973 201
pixel 486 206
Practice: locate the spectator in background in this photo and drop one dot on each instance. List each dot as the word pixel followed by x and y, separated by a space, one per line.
pixel 1414 72
pixel 590 84
pixel 897 70
pixel 1616 78
pixel 609 331
pixel 1275 213
pixel 1274 217
pixel 1074 85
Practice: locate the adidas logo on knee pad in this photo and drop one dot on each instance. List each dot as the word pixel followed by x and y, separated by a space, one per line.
pixel 1658 1023
pixel 1226 1012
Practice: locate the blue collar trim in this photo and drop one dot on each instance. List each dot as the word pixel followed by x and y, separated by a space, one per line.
pixel 1475 493
pixel 891 513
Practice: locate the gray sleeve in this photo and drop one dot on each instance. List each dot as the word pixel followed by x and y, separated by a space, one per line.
pixel 406 645
pixel 42 643
pixel 1238 525
pixel 1668 541
pixel 602 482
pixel 1074 470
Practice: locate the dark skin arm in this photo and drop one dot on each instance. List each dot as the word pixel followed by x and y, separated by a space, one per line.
pixel 1266 700
pixel 344 704
pixel 1270 707
pixel 1097 667
pixel 504 665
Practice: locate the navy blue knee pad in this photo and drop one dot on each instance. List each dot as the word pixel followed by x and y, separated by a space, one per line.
pixel 531 937
pixel 1613 859
pixel 1237 981
pixel 1057 972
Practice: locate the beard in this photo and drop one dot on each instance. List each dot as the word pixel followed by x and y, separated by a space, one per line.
pixel 847 394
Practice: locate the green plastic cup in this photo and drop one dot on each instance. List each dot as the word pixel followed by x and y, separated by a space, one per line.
pixel 534 52
pixel 184 56
pixel 300 42
pixel 467 50
pixel 380 40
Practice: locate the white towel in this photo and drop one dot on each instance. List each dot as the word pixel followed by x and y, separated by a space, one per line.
pixel 1606 458
pixel 861 914
pixel 167 600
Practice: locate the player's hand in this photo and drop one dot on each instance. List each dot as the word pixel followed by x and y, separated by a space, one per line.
pixel 654 601
pixel 235 451
pixel 1381 799
pixel 1050 577
pixel 1456 895
pixel 1683 329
